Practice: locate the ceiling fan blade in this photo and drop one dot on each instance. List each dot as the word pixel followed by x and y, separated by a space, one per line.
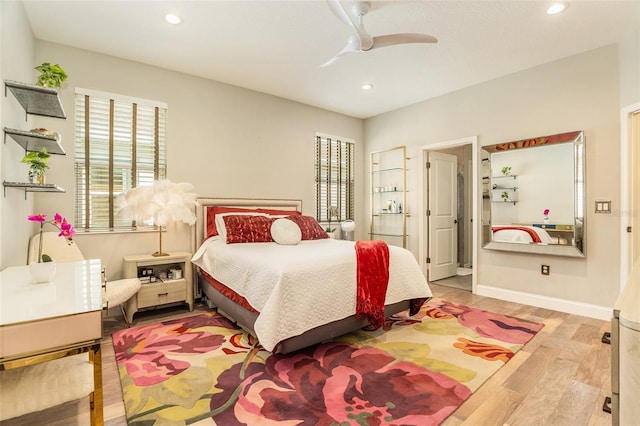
pixel 338 10
pixel 402 38
pixel 349 48
pixel 364 39
pixel 353 45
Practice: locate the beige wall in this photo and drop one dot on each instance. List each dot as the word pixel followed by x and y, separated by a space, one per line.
pixel 630 70
pixel 576 93
pixel 16 63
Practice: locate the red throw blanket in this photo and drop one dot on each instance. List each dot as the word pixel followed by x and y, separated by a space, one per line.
pixel 372 258
pixel 534 235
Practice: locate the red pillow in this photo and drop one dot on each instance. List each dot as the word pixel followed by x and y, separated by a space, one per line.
pixel 214 210
pixel 248 229
pixel 311 229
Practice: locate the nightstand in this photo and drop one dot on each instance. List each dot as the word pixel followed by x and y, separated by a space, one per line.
pixel 158 286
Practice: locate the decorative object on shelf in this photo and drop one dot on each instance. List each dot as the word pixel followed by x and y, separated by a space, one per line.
pixel 546 215
pixel 47 132
pixel 161 203
pixel 505 196
pixel 506 170
pixel 44 269
pixel 333 212
pixel 51 75
pixel 38 162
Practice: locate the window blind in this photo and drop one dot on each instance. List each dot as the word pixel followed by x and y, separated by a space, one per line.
pixel 334 185
pixel 119 145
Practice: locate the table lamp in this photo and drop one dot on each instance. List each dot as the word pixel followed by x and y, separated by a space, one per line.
pixel 162 203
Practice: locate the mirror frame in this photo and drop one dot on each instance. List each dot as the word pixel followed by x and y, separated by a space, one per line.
pixel 578 248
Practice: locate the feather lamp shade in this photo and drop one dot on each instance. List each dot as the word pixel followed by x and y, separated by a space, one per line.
pixel 162 203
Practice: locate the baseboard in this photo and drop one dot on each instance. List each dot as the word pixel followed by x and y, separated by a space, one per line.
pixel 556 304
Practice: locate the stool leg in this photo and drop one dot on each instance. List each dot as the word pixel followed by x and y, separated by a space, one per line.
pixel 124 314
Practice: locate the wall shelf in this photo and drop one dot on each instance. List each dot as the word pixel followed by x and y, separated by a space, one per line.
pixel 32 187
pixel 33 141
pixel 36 100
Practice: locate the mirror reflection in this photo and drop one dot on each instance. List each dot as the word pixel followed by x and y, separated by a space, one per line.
pixel 533 195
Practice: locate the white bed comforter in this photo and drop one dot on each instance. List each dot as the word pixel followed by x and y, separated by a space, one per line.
pixel 297 288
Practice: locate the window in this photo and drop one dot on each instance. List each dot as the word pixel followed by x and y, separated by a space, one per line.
pixel 334 160
pixel 119 145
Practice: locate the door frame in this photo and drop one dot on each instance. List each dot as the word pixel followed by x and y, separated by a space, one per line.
pixel 627 163
pixel 422 202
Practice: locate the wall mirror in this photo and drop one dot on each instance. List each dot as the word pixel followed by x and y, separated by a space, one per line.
pixel 533 195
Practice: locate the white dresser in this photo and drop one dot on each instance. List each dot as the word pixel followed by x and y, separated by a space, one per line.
pixel 625 353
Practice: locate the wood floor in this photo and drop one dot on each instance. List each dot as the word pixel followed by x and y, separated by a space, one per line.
pixel 560 377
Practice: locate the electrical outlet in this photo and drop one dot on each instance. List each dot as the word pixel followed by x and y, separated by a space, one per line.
pixel 545 269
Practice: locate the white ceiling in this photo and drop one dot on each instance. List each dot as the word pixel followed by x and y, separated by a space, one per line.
pixel 277 47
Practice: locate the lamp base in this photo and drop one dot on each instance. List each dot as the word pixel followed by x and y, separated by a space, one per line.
pixel 159 254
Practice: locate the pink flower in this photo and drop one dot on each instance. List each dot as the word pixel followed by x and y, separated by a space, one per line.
pixel 42 218
pixel 546 212
pixel 66 230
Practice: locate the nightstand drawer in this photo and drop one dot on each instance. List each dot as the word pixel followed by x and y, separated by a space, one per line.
pixel 159 294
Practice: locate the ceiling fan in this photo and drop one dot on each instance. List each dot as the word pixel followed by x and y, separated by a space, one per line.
pixel 361 41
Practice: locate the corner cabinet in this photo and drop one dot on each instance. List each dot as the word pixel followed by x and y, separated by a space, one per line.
pixel 41 101
pixel 388 220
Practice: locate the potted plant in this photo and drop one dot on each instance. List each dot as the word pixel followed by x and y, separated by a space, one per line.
pixel 38 162
pixel 505 196
pixel 51 75
pixel 506 170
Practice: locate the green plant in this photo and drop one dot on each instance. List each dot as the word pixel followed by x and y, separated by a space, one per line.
pixel 504 195
pixel 37 161
pixel 51 75
pixel 506 170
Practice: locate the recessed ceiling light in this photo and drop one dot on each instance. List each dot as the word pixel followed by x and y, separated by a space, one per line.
pixel 172 19
pixel 556 8
pixel 367 86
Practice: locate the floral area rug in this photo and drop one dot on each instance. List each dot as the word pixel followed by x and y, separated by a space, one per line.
pixel 415 371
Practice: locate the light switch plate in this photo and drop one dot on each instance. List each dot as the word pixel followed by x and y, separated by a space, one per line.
pixel 603 207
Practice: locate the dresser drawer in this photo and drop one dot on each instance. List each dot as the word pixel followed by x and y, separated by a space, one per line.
pixel 159 294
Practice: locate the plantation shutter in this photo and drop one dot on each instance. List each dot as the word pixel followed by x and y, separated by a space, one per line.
pixel 334 171
pixel 119 145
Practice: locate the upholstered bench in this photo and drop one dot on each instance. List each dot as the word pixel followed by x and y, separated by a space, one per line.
pixel 45 385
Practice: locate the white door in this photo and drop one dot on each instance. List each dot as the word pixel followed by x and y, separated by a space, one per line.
pixel 442 213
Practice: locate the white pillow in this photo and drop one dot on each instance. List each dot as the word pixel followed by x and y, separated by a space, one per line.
pixel 286 232
pixel 220 226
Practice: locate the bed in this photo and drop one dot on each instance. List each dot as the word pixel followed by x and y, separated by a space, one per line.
pixel 291 296
pixel 520 234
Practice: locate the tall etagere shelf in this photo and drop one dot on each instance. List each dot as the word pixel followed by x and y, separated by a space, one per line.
pixel 389 196
pixel 41 101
